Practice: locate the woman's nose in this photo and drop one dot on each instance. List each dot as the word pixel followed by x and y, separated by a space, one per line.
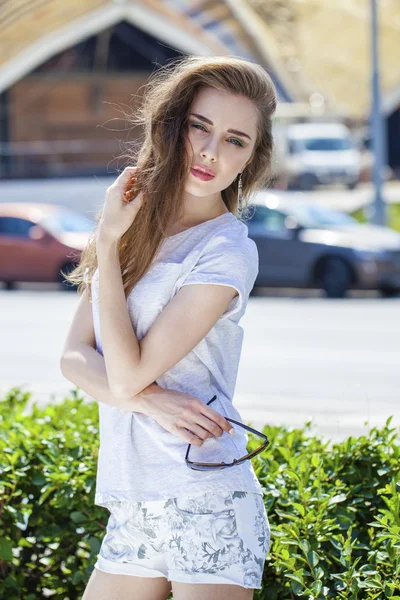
pixel 210 148
pixel 210 152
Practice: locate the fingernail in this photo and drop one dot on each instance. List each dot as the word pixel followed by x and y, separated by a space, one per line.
pixel 232 431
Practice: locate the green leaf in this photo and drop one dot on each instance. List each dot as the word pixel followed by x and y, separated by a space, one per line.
pixel 94 544
pixel 78 517
pixel 6 547
pixel 315 461
pixel 316 587
pixel 389 589
pixel 300 508
pixel 49 490
pixel 39 479
pixel 336 499
pixel 76 578
pixel 294 577
pixel 305 546
pixel 313 558
pixel 372 585
pixel 319 573
pixel 285 453
pixel 297 588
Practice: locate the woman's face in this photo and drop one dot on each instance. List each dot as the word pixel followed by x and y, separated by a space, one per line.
pixel 210 143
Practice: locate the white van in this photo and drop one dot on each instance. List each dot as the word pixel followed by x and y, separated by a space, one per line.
pixel 320 153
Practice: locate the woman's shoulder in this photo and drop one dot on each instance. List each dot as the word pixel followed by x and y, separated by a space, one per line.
pixel 235 235
pixel 232 250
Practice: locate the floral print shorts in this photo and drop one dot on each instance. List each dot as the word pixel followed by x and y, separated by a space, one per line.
pixel 221 537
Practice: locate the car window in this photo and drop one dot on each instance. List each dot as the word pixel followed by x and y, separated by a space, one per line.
pixel 270 219
pixel 14 226
pixel 327 144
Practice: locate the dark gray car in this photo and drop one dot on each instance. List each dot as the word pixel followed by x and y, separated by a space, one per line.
pixel 301 244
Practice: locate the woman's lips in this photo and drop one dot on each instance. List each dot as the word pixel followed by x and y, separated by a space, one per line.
pixel 202 176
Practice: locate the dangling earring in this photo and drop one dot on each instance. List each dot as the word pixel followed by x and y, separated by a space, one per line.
pixel 239 203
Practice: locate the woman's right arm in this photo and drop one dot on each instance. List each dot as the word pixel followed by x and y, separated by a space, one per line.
pixel 84 366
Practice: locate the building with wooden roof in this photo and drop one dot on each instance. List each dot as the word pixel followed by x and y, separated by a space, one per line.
pixel 66 67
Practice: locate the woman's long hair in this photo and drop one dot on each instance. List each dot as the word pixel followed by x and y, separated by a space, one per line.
pixel 163 163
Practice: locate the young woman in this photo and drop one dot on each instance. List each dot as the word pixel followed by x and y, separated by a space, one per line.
pixel 165 280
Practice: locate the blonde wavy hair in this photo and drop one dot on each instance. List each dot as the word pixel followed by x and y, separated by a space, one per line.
pixel 162 162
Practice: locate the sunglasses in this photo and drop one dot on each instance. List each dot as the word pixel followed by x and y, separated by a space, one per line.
pixel 199 466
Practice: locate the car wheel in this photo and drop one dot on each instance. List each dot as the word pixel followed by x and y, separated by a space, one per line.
pixel 335 277
pixel 64 284
pixel 389 292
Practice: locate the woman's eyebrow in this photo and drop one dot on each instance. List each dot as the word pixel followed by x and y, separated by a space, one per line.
pixel 235 131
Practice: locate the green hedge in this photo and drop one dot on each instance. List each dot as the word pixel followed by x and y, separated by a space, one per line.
pixel 334 509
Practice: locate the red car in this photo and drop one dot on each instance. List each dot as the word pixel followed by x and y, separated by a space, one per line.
pixel 37 240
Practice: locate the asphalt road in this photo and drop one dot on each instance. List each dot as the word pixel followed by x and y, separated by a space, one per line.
pixel 335 362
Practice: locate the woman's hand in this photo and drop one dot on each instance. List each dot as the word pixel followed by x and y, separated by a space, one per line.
pixel 120 209
pixel 183 415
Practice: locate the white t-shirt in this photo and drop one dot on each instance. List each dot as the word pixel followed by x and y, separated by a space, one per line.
pixel 139 459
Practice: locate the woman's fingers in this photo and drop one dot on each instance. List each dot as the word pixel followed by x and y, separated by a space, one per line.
pixel 209 425
pixel 214 416
pixel 123 178
pixel 199 431
pixel 189 436
pixel 124 181
pixel 128 194
pixel 203 429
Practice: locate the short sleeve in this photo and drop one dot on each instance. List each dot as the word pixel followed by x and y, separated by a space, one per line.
pixel 231 261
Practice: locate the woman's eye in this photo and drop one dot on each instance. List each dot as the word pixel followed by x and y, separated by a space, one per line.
pixel 239 143
pixel 198 125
